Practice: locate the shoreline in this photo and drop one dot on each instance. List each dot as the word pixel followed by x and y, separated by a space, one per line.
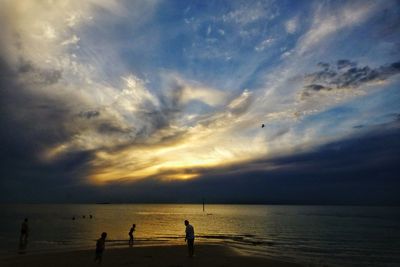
pixel 110 245
pixel 164 255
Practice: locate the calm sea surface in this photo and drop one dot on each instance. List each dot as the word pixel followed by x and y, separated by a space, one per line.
pixel 321 235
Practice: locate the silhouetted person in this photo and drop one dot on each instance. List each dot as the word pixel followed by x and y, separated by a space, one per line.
pixel 100 246
pixel 90 216
pixel 189 238
pixel 262 125
pixel 23 239
pixel 131 234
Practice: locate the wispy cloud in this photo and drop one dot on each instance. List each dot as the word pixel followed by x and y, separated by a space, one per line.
pixel 326 23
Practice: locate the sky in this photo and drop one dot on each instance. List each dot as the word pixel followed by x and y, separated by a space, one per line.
pixel 164 101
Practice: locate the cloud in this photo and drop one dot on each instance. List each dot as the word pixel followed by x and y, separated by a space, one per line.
pixel 240 104
pixel 342 172
pixel 342 63
pixel 57 100
pixel 264 44
pixel 73 40
pixel 103 93
pixel 292 25
pixel 89 114
pixel 29 73
pixel 327 21
pixel 246 13
pixel 182 152
pixel 345 75
pixel 185 91
pixel 108 128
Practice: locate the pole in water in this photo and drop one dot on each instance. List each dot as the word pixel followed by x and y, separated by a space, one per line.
pixel 203 204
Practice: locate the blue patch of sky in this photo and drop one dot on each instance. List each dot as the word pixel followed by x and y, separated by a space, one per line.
pixel 188 38
pixel 194 40
pixel 330 122
pixel 380 36
pixel 376 108
pixel 364 42
pixel 369 42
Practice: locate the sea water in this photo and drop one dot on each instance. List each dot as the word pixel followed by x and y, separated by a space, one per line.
pixel 318 235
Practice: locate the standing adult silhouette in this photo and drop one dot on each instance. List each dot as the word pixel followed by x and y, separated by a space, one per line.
pixel 131 234
pixel 189 238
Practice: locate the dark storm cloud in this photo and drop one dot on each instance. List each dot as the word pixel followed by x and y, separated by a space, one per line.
pixel 345 74
pixel 30 124
pixel 25 179
pixel 360 170
pixel 21 109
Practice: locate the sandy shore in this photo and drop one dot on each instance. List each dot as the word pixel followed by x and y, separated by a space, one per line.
pixel 155 256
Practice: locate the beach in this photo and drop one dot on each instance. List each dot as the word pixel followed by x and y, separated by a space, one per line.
pixel 210 255
pixel 152 256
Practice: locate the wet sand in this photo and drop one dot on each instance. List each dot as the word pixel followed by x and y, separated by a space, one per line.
pixel 154 256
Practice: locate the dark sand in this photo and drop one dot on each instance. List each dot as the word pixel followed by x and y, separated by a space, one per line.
pixel 154 256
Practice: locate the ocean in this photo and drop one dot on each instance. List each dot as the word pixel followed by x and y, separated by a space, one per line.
pixel 315 235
